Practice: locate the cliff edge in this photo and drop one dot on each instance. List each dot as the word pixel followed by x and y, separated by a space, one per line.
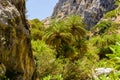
pixel 15 47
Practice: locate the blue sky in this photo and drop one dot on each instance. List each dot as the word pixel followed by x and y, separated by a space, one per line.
pixel 40 8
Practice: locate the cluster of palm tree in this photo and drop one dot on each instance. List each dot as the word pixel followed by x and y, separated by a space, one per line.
pixel 67 37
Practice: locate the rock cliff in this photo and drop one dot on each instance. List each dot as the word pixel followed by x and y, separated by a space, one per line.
pixel 15 47
pixel 91 10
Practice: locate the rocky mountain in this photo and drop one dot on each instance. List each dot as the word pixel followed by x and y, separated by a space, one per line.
pixel 91 10
pixel 16 59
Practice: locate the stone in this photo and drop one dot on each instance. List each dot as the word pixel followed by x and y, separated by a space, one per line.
pixel 102 71
pixel 15 43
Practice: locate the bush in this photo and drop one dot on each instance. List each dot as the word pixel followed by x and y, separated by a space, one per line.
pixel 44 57
pixel 37 29
pixel 63 69
pixel 103 42
pixel 113 13
pixel 56 77
pixel 115 56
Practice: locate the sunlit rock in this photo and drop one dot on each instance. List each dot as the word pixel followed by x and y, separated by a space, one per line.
pixel 15 46
pixel 91 10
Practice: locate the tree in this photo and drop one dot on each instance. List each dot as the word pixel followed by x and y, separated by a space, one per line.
pixel 76 26
pixel 57 35
pixel 77 29
pixel 65 36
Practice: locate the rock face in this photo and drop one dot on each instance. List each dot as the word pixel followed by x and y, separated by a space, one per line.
pixel 91 10
pixel 15 47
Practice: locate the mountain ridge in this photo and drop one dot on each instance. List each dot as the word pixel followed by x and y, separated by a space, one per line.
pixel 90 10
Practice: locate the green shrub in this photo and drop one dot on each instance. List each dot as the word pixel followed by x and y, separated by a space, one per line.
pixel 64 69
pixel 37 29
pixel 105 28
pixel 44 57
pixel 113 13
pixel 115 56
pixel 102 43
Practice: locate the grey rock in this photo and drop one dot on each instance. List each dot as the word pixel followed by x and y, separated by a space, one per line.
pixel 102 71
pixel 90 10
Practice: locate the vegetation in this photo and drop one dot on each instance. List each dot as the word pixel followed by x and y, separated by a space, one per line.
pixel 114 13
pixel 67 51
pixel 37 29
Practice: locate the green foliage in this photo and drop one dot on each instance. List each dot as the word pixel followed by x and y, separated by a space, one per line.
pixel 44 57
pixel 105 40
pixel 115 50
pixel 56 77
pixel 63 52
pixel 50 68
pixel 66 36
pixel 115 56
pixel 76 26
pixel 78 70
pixel 103 24
pixel 102 43
pixel 117 2
pixel 67 70
pixel 37 29
pixel 105 28
pixel 113 13
pixel 57 35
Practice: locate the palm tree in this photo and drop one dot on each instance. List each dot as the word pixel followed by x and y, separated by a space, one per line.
pixel 70 52
pixel 63 36
pixel 57 35
pixel 77 29
pixel 76 26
